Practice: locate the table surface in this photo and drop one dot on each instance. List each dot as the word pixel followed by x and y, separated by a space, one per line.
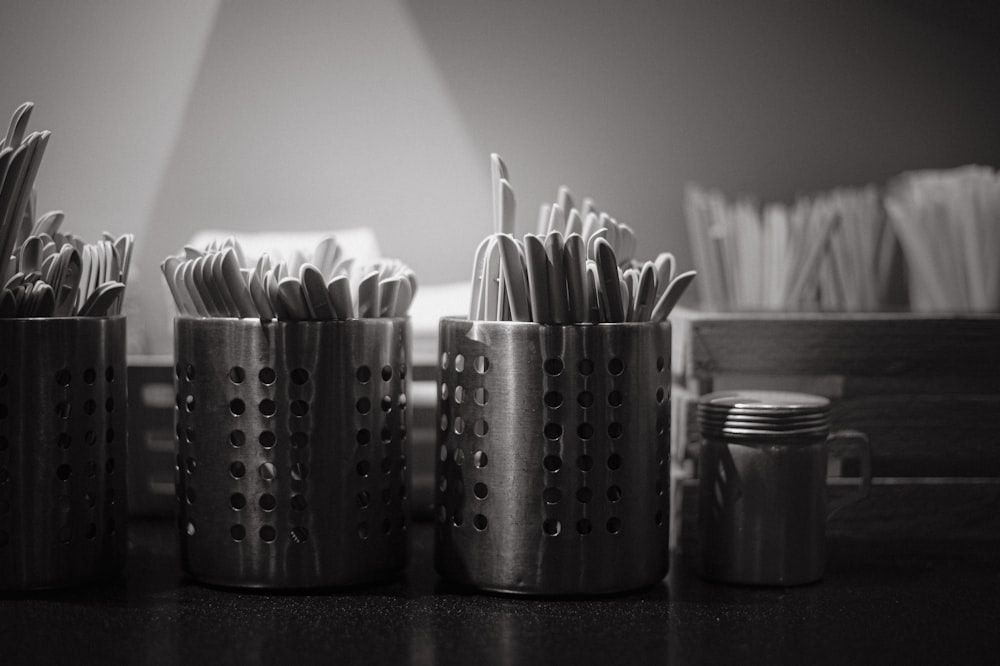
pixel 890 602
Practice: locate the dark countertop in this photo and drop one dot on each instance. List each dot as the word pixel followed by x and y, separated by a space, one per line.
pixel 887 602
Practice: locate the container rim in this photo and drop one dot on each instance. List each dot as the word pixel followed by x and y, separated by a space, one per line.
pixel 247 321
pixel 74 318
pixel 535 324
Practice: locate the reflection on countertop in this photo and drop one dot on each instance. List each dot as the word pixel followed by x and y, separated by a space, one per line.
pixel 896 601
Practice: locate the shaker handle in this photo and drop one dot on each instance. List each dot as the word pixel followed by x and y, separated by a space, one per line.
pixel 854 440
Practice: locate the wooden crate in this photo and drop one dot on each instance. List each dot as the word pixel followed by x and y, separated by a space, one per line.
pixel 926 389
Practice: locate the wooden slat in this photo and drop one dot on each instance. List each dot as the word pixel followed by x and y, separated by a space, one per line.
pixel 148 425
pixel 839 386
pixel 686 428
pixel 945 511
pixel 897 347
pixel 916 436
pixel 927 435
pixel 424 373
pixel 925 389
pixel 944 385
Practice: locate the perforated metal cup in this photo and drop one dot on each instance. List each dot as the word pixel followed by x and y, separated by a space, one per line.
pixel 553 456
pixel 63 416
pixel 291 451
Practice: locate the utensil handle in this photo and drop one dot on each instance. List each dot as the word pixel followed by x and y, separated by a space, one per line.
pixel 852 440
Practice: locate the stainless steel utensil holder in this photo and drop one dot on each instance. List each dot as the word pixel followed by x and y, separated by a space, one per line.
pixel 553 456
pixel 291 451
pixel 63 416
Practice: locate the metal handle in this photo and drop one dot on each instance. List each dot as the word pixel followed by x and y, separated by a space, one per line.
pixel 853 439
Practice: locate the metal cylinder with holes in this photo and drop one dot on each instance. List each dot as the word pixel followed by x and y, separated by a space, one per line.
pixel 553 456
pixel 291 451
pixel 63 418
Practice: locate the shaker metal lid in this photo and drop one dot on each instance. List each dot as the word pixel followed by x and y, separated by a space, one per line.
pixel 765 403
pixel 733 432
pixel 745 414
pixel 762 421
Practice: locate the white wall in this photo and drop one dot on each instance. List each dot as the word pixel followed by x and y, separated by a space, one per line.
pixel 325 116
pixel 629 100
pixel 172 116
pixel 110 79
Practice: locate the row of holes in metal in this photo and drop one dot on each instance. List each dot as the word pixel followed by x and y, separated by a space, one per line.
pixel 552 463
pixel 299 471
pixel 299 439
pixel 268 503
pixel 553 495
pixel 63 408
pixel 298 502
pixel 64 377
pixel 65 439
pixel 297 534
pixel 552 399
pixel 299 408
pixel 552 431
pixel 64 503
pixel 299 376
pixel 481 363
pixel 268 471
pixel 553 366
pixel 65 533
pixel 268 408
pixel 65 471
pixel 550 495
pixel 267 533
pixel 550 526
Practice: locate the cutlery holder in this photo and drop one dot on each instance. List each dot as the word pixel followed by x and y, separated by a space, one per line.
pixel 553 456
pixel 63 431
pixel 291 466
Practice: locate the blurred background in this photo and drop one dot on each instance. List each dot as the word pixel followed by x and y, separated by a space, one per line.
pixel 170 117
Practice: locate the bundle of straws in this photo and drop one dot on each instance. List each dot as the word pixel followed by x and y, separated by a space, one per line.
pixel 948 223
pixel 219 280
pixel 44 272
pixel 578 268
pixel 832 251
